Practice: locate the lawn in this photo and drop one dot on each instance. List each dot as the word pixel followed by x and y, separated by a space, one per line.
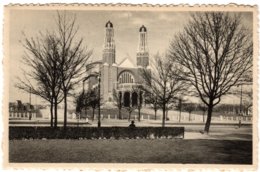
pixel 132 151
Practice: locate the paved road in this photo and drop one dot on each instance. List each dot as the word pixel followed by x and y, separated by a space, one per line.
pixel 115 122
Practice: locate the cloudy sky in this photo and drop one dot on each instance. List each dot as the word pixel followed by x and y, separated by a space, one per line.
pixel 161 28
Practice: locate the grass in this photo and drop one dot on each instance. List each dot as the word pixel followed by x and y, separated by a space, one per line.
pixel 132 151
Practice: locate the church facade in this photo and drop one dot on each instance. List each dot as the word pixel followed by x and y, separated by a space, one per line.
pixel 125 77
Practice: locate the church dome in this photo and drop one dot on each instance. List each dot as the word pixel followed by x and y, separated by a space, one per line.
pixel 109 24
pixel 142 29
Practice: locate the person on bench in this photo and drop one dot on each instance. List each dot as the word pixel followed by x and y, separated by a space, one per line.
pixel 132 125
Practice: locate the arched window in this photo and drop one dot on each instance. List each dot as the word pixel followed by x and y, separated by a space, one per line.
pixel 126 77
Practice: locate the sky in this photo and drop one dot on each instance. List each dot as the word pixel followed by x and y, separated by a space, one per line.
pixel 161 26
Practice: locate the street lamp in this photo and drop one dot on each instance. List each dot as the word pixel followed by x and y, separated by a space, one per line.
pixel 83 92
pixel 246 82
pixel 240 108
pixel 30 102
pixel 99 123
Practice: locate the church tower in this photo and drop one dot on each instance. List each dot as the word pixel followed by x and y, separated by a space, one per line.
pixel 142 53
pixel 109 67
pixel 109 50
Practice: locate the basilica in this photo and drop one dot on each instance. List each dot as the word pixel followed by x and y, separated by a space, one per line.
pixel 122 78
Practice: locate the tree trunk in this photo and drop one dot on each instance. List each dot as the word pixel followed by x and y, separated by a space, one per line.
pixel 207 125
pixel 247 110
pixel 155 114
pixel 180 116
pixel 30 114
pixel 129 116
pixel 65 111
pixel 93 113
pixel 163 118
pixel 51 112
pixel 204 116
pixel 139 114
pixel 55 113
pixel 180 106
pixel 119 113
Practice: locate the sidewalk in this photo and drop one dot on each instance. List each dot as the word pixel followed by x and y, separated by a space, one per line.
pixel 125 122
pixel 231 134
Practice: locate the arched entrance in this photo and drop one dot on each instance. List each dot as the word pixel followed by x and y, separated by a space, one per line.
pixel 127 99
pixel 131 98
pixel 134 99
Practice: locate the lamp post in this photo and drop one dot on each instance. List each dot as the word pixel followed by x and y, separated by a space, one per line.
pixel 240 107
pixel 99 122
pixel 30 101
pixel 83 92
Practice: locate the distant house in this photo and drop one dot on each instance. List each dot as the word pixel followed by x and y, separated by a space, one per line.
pixel 19 106
pixel 22 110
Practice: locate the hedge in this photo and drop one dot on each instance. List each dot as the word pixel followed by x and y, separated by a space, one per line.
pixel 94 132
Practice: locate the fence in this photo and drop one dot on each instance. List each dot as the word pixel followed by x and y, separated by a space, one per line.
pixel 235 118
pixel 185 117
pixel 21 114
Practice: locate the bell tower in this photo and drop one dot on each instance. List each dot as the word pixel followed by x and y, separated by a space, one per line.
pixel 109 67
pixel 109 50
pixel 142 52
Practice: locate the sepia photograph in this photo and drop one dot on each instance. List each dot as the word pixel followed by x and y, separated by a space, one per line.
pixel 148 85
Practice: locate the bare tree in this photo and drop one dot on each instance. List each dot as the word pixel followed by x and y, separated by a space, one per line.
pixel 189 107
pixel 152 100
pixel 245 95
pixel 93 101
pixel 87 99
pixel 130 108
pixel 138 90
pixel 163 81
pixel 248 100
pixel 179 106
pixel 42 58
pixel 216 51
pixel 73 56
pixel 203 108
pixel 118 102
pixel 169 106
pixel 80 101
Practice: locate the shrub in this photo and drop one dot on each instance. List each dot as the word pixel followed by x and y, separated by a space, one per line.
pixel 94 132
